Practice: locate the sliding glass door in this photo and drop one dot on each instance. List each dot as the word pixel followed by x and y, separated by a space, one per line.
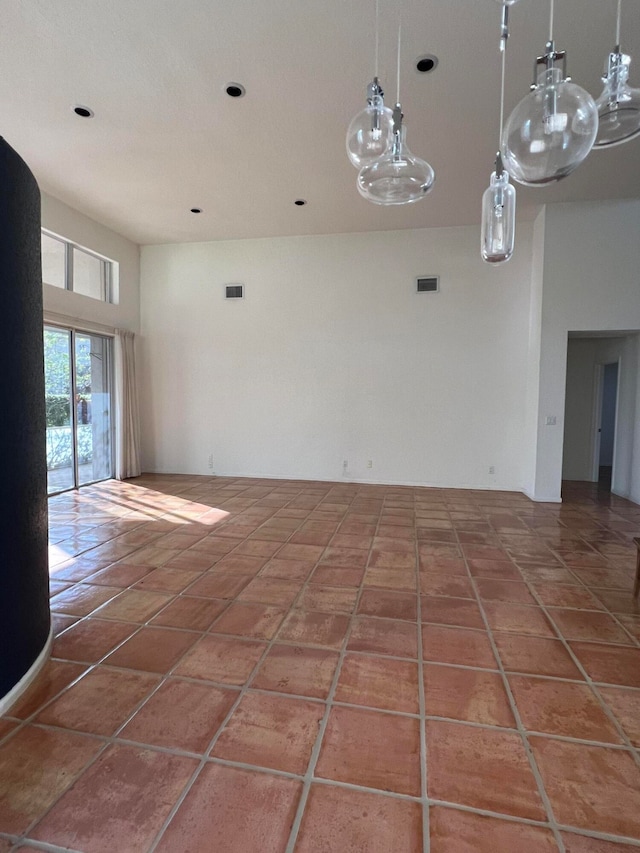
pixel 78 404
pixel 58 383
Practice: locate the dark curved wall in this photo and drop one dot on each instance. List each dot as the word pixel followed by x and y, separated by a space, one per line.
pixel 24 583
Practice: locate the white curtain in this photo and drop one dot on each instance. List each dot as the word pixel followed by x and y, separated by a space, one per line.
pixel 127 419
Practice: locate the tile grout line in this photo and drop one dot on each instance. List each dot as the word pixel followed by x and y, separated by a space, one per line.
pixel 612 614
pixel 337 703
pixel 315 752
pixel 514 709
pixel 389 795
pixel 603 704
pixel 158 837
pixel 44 845
pixel 112 738
pixel 424 770
pixel 548 610
pixel 138 707
pixel 292 499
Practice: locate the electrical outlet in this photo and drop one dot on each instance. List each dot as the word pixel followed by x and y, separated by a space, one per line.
pixel 492 470
pixel 211 461
pixel 370 463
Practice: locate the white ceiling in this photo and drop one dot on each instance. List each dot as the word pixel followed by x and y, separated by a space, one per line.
pixel 166 137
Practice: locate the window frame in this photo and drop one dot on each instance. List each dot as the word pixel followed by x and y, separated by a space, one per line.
pixel 106 268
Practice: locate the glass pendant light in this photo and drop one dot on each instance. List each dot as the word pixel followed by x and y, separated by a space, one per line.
pixel 398 177
pixel 498 217
pixel 499 199
pixel 619 104
pixel 551 130
pixel 370 133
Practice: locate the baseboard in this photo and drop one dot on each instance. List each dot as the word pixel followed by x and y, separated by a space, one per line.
pixel 337 480
pixel 25 682
pixel 541 498
pixel 628 496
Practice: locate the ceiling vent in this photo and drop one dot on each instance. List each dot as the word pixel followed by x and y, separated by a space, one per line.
pixel 234 291
pixel 428 284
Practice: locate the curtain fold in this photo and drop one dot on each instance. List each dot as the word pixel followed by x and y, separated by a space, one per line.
pixel 126 407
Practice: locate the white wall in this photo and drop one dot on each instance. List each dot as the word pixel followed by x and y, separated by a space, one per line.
pixel 577 460
pixel 532 379
pixel 332 356
pixel 591 282
pixel 67 222
pixel 608 419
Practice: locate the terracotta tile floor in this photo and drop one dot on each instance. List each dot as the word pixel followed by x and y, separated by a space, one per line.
pixel 251 666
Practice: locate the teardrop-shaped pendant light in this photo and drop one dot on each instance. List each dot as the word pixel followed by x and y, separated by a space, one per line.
pixel 619 104
pixel 398 177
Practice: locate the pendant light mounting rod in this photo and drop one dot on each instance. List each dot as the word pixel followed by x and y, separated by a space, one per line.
pixel 398 68
pixel 503 63
pixel 504 35
pixel 618 26
pixel 504 28
pixel 549 59
pixel 374 90
pixel 397 118
pixel 377 52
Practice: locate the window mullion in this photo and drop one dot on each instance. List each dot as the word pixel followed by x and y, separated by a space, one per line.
pixel 69 266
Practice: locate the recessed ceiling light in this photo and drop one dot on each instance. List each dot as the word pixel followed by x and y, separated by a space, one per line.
pixel 235 90
pixel 427 63
pixel 300 202
pixel 82 111
pixel 196 210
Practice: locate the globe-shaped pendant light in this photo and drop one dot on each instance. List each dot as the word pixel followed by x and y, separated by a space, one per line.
pixel 370 133
pixel 618 105
pixel 398 177
pixel 552 129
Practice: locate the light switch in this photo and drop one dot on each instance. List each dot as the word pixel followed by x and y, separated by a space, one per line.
pixel 551 420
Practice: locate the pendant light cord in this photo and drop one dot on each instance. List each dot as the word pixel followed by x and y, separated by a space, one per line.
pixel 551 11
pixel 398 69
pixel 375 70
pixel 504 60
pixel 618 23
pixel 504 38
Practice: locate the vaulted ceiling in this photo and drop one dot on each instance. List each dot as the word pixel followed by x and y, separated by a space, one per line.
pixel 166 137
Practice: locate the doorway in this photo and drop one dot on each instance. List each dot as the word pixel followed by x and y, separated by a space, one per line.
pixel 78 377
pixel 602 389
pixel 606 417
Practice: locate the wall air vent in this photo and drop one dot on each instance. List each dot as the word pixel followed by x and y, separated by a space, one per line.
pixel 234 291
pixel 428 284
